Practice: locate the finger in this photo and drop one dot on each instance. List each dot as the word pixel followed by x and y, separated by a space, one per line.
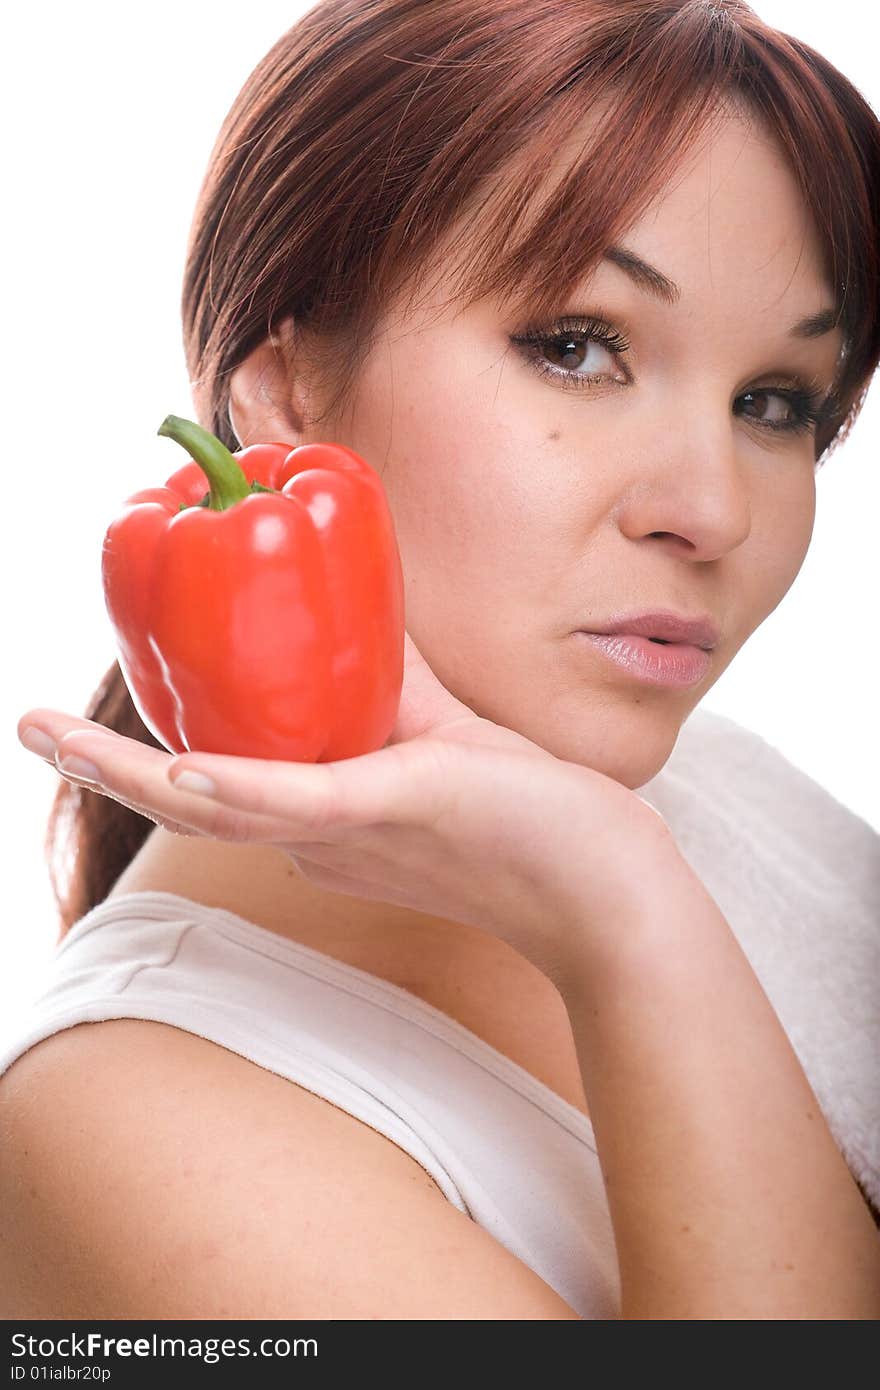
pixel 41 742
pixel 135 774
pixel 164 823
pixel 56 722
pixel 320 800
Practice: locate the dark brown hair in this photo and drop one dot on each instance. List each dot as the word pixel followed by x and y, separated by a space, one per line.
pixel 373 126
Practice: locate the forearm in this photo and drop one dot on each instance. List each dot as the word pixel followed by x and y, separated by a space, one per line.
pixel 728 1195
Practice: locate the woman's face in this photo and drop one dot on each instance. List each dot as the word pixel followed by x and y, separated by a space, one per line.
pixel 531 505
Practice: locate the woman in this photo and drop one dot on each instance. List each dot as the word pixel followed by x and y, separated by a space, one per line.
pixel 457 1029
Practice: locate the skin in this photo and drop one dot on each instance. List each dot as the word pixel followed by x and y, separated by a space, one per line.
pixel 525 511
pixel 493 857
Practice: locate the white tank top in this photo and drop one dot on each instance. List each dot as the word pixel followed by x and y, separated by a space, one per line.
pixel 501 1146
pixel 796 874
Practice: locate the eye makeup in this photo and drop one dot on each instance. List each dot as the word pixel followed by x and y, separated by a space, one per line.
pixel 807 404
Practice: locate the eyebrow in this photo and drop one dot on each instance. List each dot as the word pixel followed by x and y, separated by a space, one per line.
pixel 652 280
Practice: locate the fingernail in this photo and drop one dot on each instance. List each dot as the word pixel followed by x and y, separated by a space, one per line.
pixel 189 781
pixel 38 742
pixel 80 768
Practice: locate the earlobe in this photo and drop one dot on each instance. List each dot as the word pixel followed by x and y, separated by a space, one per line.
pixel 263 400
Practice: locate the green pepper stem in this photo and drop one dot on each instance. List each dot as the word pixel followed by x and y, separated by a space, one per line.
pixel 222 469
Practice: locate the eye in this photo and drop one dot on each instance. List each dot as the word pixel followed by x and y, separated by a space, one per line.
pixel 560 351
pixel 802 407
pixel 569 342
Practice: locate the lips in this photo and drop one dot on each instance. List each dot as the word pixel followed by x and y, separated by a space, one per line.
pixel 673 664
pixel 661 627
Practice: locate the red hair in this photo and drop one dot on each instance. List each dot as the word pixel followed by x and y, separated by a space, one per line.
pixel 369 129
pixel 372 126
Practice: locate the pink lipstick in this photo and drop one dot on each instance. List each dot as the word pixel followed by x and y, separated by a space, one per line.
pixel 662 648
pixel 672 663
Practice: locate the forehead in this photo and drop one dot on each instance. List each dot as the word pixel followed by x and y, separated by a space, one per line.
pixel 732 220
pixel 728 222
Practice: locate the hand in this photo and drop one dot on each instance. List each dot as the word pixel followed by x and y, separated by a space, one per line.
pixel 455 816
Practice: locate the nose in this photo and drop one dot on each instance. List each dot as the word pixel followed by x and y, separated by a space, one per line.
pixel 692 490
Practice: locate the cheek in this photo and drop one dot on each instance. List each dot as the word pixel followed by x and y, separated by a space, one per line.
pixel 480 547
pixel 794 518
pixel 456 520
pixel 466 494
pixel 781 532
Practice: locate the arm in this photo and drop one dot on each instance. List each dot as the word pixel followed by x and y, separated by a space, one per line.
pixel 720 1168
pixel 728 1195
pixel 146 1172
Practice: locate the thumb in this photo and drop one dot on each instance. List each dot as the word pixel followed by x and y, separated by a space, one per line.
pixel 425 703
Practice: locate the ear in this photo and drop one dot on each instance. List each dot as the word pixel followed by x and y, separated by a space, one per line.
pixel 266 394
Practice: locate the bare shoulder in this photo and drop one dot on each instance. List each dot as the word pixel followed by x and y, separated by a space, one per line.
pixel 148 1173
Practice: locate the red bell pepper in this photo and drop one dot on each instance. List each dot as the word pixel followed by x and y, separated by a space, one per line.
pixel 264 617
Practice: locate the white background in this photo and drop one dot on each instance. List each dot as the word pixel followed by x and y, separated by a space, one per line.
pixel 109 115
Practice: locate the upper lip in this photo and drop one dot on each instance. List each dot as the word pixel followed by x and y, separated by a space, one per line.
pixel 672 627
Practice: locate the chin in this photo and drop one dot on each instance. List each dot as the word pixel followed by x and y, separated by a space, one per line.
pixel 629 745
pixel 628 771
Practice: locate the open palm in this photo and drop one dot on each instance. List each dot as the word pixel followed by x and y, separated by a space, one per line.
pixel 455 816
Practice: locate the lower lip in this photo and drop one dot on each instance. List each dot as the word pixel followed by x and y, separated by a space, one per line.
pixel 675 664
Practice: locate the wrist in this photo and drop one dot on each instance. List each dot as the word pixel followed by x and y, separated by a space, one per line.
pixel 647 893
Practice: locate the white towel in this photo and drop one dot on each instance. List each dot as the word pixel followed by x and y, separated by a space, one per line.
pixel 797 876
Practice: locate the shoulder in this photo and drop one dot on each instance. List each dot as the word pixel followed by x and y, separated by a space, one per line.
pixel 148 1173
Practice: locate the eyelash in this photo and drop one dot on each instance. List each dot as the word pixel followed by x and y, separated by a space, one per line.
pixel 805 401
